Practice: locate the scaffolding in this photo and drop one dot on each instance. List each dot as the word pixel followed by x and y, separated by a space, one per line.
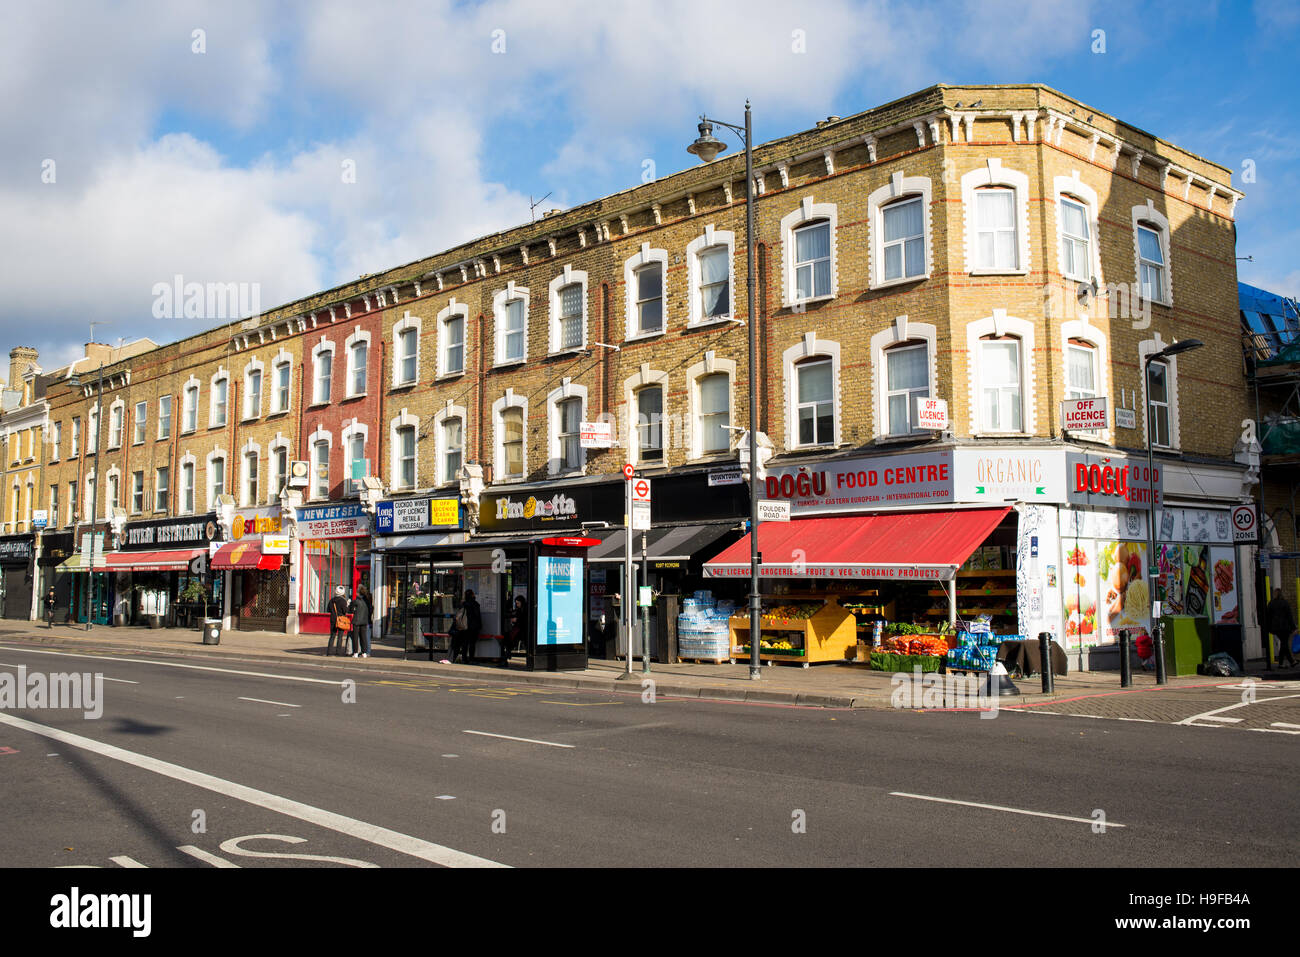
pixel 1270 326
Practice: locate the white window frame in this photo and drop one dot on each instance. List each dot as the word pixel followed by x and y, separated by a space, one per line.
pixel 1072 188
pixel 695 435
pixel 161 488
pixel 359 337
pixel 245 500
pixel 322 347
pixel 449 411
pixel 217 455
pixel 454 310
pixel 711 237
pixel 508 401
pixel 500 300
pixel 403 420
pixel 138 473
pixel 282 360
pixel 317 438
pixel 112 490
pixel 644 379
pixel 645 256
pixel 567 277
pixel 806 214
pixel 902 331
pixel 555 455
pixel 1150 347
pixel 250 413
pixel 352 430
pixel 1151 218
pixel 809 347
pixel 900 188
pixel 1083 330
pixel 164 435
pixel 407 324
pixel 56 440
pixel 994 175
pixel 187 501
pixel 221 375
pixel 275 447
pixel 140 423
pixel 116 424
pixel 1000 324
pixel 192 397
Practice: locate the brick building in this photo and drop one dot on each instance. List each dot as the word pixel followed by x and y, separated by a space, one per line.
pixel 1003 248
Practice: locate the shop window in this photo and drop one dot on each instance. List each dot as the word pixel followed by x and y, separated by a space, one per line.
pixel 325 565
pixel 815 407
pixel 650 430
pixel 907 378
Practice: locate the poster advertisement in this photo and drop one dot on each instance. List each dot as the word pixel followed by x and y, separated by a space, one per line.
pixel 1196 580
pixel 1223 582
pixel 1125 591
pixel 1079 591
pixel 559 600
pixel 1038 601
pixel 1169 559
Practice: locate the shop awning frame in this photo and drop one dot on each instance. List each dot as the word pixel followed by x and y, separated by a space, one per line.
pixel 663 543
pixel 176 560
pixel 245 556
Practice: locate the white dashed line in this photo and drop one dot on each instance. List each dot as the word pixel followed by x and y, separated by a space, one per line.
pixel 998 807
pixel 282 704
pixel 511 737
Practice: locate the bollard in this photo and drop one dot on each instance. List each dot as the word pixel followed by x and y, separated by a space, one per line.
pixel 1125 667
pixel 1045 659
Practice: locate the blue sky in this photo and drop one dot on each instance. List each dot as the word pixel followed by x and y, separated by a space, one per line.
pixel 217 154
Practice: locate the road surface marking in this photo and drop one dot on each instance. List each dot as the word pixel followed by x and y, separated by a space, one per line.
pixel 445 797
pixel 205 857
pixel 1241 704
pixel 8 750
pixel 511 737
pixel 283 704
pixel 174 664
pixel 582 704
pixel 121 681
pixel 1273 730
pixel 1221 717
pixel 998 807
pixel 1283 724
pixel 371 833
pixel 123 861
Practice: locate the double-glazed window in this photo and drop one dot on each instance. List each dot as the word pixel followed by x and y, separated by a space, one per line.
pixel 137 493
pixel 453 448
pixel 165 417
pixel 220 396
pixel 187 487
pixel 320 488
pixel 252 465
pixel 323 376
pixel 115 416
pixel 72 503
pixel 357 470
pixel 1075 240
pixel 453 344
pixel 253 394
pixel 512 331
pixel 358 357
pixel 1000 384
pixel 1080 370
pixel 996 242
pixel 571 316
pixel 512 441
pixel 649 299
pixel 812 260
pixel 1151 263
pixel 903 242
pixel 1158 403
pixel 54 505
pixel 408 356
pixel 649 423
pixel 405 477
pixel 191 412
pixel 216 479
pixel 161 483
pixel 141 420
pixel 715 412
pixel 283 380
pixel 113 492
pixel 76 437
pixel 715 282
pixel 569 414
pixel 280 461
pixel 815 406
pixel 907 377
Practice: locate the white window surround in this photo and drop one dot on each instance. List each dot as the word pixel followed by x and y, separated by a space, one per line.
pixel 254 365
pixel 645 256
pixel 187 459
pixel 250 448
pixel 645 377
pixel 711 237
pixel 406 323
pixel 993 173
pixel 212 457
pixel 358 336
pixel 325 345
pixel 807 212
pixel 807 348
pixel 901 331
pixel 320 435
pixel 404 419
pixel 1083 330
pixel 112 478
pixel 567 277
pixel 1151 216
pixel 694 436
pixel 454 309
pixel 116 414
pixel 271 385
pixel 272 447
pixel 499 301
pixel 449 411
pixel 1073 188
pixel 351 430
pixel 555 455
pixel 1146 348
pixel 898 188
pixel 1000 324
pixel 508 401
pixel 222 374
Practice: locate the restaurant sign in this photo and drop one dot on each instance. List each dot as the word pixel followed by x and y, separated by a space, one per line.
pixel 266 521
pixel 172 533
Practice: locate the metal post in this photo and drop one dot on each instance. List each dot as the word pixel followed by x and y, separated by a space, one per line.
pixel 94 501
pixel 755 602
pixel 1045 659
pixel 628 573
pixel 1125 666
pixel 1157 638
pixel 644 614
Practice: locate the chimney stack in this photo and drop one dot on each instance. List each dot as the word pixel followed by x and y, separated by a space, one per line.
pixel 21 359
pixel 99 352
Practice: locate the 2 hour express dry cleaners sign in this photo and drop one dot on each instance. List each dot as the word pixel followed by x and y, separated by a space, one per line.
pixel 1113 480
pixel 922 478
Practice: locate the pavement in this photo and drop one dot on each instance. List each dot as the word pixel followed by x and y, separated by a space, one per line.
pixel 1092 694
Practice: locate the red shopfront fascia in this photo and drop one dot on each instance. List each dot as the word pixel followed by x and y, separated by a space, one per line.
pixel 245 556
pixel 172 561
pixel 901 546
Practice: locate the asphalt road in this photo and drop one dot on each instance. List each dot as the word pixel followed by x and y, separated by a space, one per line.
pixel 247 764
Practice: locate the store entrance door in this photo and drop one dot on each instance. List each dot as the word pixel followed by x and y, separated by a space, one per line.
pixel 100 595
pixel 262 600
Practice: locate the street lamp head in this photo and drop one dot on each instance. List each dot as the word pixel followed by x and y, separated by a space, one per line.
pixel 1184 346
pixel 706 146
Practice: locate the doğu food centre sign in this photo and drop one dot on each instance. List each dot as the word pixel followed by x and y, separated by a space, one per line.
pixel 838 486
pixel 1111 480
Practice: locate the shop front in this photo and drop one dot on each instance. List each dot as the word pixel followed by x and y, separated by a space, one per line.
pixel 92 584
pixel 16 577
pixel 257 569
pixel 415 588
pixel 55 549
pixel 158 570
pixel 334 551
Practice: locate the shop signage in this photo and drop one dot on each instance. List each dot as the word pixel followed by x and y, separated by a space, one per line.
pixel 931 414
pixel 846 485
pixel 1111 480
pixel 416 514
pixel 1009 475
pixel 553 505
pixel 444 512
pixel 333 521
pixel 1243 524
pixel 262 522
pixel 275 544
pixel 170 534
pixel 1084 415
pixel 726 477
pixel 886 572
pixel 596 435
pixel 16 550
pixel 1126 419
pixel 40 518
pixel 773 511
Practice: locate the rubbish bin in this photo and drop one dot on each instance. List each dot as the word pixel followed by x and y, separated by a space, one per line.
pixel 212 631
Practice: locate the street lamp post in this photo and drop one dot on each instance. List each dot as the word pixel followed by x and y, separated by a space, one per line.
pixel 706 147
pixel 1156 631
pixel 75 381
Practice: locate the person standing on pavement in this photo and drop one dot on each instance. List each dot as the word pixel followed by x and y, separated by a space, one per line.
pixel 1281 622
pixel 515 631
pixel 361 614
pixel 469 622
pixel 338 606
pixel 50 602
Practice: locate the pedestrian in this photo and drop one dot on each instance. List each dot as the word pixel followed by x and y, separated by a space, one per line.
pixel 516 630
pixel 361 609
pixel 1281 622
pixel 469 622
pixel 50 602
pixel 339 623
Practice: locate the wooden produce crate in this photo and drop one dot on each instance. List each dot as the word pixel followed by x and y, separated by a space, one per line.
pixel 828 635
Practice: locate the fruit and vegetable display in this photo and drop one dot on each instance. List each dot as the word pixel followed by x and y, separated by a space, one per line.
pixel 792 612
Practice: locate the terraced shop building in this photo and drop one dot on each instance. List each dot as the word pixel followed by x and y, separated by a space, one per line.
pixel 934 246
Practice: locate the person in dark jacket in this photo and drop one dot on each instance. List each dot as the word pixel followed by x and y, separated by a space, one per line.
pixel 361 613
pixel 50 602
pixel 463 639
pixel 515 631
pixel 338 605
pixel 1281 622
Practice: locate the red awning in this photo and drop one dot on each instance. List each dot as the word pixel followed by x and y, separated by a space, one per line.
pixel 173 561
pixel 245 555
pixel 902 546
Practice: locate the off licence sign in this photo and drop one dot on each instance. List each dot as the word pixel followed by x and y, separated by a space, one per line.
pixel 931 414
pixel 1083 415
